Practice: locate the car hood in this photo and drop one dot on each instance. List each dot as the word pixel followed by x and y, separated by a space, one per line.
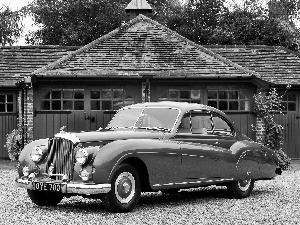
pixel 94 136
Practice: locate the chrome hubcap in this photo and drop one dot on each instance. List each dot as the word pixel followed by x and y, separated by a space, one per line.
pixel 125 187
pixel 244 184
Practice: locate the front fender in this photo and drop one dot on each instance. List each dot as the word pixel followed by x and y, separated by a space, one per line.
pixel 111 155
pixel 149 151
pixel 25 159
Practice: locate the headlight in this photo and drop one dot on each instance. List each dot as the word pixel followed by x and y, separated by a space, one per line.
pixel 81 156
pixel 84 174
pixel 37 154
pixel 25 171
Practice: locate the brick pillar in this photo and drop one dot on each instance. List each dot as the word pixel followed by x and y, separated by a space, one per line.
pixel 28 113
pixel 260 130
pixel 27 119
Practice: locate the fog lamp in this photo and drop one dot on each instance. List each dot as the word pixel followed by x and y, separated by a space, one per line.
pixel 25 171
pixel 84 174
pixel 81 156
pixel 36 154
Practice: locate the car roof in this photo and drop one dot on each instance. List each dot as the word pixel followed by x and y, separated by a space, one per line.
pixel 183 106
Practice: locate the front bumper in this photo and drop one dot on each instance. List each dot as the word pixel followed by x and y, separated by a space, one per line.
pixel 70 188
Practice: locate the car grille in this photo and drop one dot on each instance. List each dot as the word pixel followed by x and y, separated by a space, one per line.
pixel 60 158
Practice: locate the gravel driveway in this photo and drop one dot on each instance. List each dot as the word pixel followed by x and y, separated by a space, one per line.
pixel 272 202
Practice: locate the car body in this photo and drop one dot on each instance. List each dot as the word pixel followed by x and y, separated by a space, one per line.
pixel 157 146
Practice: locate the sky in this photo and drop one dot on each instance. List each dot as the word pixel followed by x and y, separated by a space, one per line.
pixel 28 22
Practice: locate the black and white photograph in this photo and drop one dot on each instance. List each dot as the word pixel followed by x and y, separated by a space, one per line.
pixel 149 112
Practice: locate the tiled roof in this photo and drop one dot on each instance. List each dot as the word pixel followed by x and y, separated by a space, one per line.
pixel 19 61
pixel 275 64
pixel 143 47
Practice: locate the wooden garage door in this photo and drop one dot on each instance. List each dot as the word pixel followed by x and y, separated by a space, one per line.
pixel 78 109
pixel 291 133
pixel 8 118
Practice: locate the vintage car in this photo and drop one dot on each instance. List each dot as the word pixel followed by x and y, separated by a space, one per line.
pixel 162 146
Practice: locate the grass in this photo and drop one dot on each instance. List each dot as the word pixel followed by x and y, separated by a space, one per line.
pixel 272 202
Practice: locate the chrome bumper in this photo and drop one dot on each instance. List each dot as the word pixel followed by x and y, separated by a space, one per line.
pixel 70 188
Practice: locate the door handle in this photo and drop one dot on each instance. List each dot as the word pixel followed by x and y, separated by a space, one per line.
pixel 91 118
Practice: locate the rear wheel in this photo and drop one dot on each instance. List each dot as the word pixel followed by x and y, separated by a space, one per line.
pixel 125 190
pixel 240 189
pixel 45 198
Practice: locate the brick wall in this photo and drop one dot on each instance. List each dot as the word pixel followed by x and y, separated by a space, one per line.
pixel 28 113
pixel 260 130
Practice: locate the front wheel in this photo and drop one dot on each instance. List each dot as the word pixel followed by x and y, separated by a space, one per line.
pixel 45 198
pixel 240 189
pixel 125 190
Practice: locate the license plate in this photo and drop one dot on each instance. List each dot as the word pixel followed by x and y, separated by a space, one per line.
pixel 43 186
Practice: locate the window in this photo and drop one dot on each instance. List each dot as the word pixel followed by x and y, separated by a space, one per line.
pixel 228 100
pixel 289 102
pixel 110 99
pixel 6 103
pixel 63 99
pixel 181 95
pixel 204 122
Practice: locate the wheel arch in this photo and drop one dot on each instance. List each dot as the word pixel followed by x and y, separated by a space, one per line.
pixel 142 170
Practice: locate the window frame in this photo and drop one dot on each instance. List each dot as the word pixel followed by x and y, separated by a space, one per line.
pixel 286 101
pixel 210 132
pixel 228 100
pixel 61 99
pixel 179 98
pixel 112 100
pixel 13 103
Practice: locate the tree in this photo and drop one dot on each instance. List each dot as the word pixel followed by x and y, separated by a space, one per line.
pixel 200 19
pixel 10 25
pixel 78 22
pixel 74 22
pixel 252 24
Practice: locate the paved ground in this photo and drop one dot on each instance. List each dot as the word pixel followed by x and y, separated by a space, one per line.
pixel 295 164
pixel 272 202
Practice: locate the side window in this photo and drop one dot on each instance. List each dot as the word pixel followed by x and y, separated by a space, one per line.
pixel 221 126
pixel 204 122
pixel 196 122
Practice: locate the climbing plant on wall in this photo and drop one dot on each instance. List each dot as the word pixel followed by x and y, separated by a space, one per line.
pixel 267 104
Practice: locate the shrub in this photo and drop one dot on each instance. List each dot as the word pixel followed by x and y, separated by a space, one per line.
pixel 14 142
pixel 266 105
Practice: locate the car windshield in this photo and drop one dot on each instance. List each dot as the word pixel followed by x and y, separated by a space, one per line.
pixel 161 119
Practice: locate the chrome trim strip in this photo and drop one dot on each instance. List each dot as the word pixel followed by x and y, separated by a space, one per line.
pixel 193 182
pixel 71 188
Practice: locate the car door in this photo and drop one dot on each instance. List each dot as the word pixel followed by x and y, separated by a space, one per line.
pixel 202 156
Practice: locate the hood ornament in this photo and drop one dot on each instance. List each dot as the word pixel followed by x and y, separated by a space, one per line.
pixel 50 169
pixel 62 129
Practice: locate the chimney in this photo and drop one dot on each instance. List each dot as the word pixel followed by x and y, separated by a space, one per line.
pixel 136 7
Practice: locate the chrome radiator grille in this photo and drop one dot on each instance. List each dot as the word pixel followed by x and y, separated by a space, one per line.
pixel 60 158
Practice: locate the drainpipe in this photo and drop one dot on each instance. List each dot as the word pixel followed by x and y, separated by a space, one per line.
pixel 146 91
pixel 23 114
